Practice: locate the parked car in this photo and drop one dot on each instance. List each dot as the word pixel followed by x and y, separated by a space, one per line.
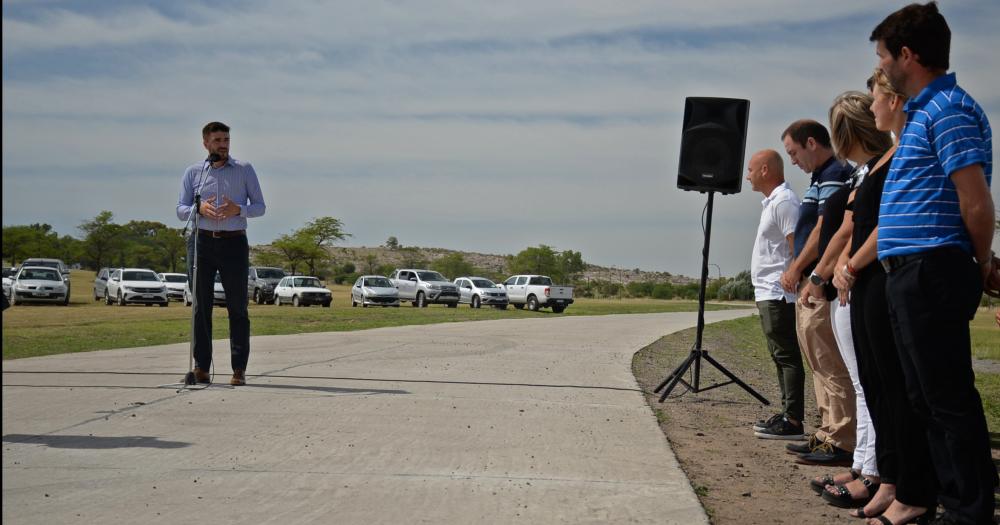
pixel 8 281
pixel 537 291
pixel 374 290
pixel 302 290
pixel 477 291
pixel 261 281
pixel 101 283
pixel 218 292
pixel 175 283
pixel 135 285
pixel 51 263
pixel 423 287
pixel 39 284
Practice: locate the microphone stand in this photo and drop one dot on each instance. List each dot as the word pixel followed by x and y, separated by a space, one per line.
pixel 189 377
pixel 193 217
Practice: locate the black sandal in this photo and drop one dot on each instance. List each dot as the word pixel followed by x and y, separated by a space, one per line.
pixel 922 519
pixel 843 498
pixel 820 486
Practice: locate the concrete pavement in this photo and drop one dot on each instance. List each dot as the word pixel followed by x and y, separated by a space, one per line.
pixel 510 421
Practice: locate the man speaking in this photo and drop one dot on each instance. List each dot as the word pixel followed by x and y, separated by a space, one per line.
pixel 230 194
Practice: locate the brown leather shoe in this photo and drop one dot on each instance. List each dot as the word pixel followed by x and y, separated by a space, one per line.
pixel 201 376
pixel 239 378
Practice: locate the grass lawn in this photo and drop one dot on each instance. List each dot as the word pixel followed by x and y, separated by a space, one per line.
pixel 86 325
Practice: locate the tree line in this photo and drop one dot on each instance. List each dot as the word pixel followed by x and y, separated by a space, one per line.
pixel 151 244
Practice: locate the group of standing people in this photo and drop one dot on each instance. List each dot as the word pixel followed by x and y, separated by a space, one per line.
pixel 874 276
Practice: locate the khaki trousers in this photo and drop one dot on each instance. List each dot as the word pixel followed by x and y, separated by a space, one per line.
pixel 834 389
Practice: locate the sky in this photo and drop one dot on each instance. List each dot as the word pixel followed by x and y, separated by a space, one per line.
pixel 467 125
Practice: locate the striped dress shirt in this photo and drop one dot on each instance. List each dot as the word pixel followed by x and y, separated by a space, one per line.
pixel 946 130
pixel 236 180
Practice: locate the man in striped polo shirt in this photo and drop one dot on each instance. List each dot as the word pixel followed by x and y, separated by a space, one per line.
pixel 807 144
pixel 935 229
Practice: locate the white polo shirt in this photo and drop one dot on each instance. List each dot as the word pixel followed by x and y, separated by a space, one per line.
pixel 771 254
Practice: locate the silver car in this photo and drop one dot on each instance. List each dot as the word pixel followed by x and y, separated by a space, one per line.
pixel 101 283
pixel 39 284
pixel 477 291
pixel 374 290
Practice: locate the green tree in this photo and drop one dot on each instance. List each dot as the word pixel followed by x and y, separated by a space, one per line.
pixel 321 233
pixel 392 243
pixel 544 260
pixel 571 265
pixel 294 249
pixel 740 288
pixel 101 240
pixel 453 265
pixel 536 260
pixel 35 240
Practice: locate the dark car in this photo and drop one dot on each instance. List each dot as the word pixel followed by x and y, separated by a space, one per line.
pixel 261 281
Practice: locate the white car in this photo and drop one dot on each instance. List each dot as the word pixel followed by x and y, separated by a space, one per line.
pixel 8 281
pixel 301 290
pixel 135 285
pixel 175 283
pixel 39 284
pixel 477 291
pixel 374 290
pixel 218 292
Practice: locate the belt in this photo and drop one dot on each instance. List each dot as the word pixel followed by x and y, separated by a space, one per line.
pixel 895 262
pixel 218 234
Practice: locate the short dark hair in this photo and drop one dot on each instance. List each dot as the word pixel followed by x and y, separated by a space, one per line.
pixel 801 130
pixel 213 127
pixel 922 29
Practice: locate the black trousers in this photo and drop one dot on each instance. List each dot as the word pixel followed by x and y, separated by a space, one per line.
pixel 900 438
pixel 931 300
pixel 230 257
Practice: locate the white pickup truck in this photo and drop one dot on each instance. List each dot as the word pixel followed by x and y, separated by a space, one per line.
pixel 537 291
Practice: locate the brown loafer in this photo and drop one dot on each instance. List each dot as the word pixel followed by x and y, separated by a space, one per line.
pixel 201 376
pixel 239 378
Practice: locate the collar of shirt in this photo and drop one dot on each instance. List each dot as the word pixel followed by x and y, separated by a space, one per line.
pixel 774 193
pixel 825 166
pixel 939 84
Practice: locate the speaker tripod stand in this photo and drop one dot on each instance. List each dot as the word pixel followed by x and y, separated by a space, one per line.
pixel 697 352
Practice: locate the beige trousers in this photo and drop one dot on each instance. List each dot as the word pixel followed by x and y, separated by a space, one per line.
pixel 834 390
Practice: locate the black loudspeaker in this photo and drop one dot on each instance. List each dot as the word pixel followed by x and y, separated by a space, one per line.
pixel 713 144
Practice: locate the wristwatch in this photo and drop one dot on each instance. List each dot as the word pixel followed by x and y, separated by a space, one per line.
pixel 816 279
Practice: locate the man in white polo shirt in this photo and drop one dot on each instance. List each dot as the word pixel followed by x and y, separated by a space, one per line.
pixel 772 253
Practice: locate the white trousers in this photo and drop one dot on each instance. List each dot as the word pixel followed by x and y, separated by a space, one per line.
pixel 864 448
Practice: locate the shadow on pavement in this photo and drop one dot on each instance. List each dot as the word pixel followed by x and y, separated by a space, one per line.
pixel 94 442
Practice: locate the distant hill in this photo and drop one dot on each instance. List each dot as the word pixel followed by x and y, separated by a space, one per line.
pixel 358 255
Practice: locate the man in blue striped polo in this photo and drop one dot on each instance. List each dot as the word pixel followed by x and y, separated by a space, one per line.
pixel 935 229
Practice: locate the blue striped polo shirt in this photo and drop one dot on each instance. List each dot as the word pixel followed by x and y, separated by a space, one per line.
pixel 945 131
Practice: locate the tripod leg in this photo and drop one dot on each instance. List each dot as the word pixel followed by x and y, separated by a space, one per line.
pixel 681 368
pixel 676 376
pixel 735 379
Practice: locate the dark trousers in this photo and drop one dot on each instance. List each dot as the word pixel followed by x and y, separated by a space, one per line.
pixel 230 257
pixel 900 439
pixel 931 300
pixel 777 319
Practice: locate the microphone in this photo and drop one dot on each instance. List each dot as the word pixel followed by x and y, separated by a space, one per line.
pixel 214 157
